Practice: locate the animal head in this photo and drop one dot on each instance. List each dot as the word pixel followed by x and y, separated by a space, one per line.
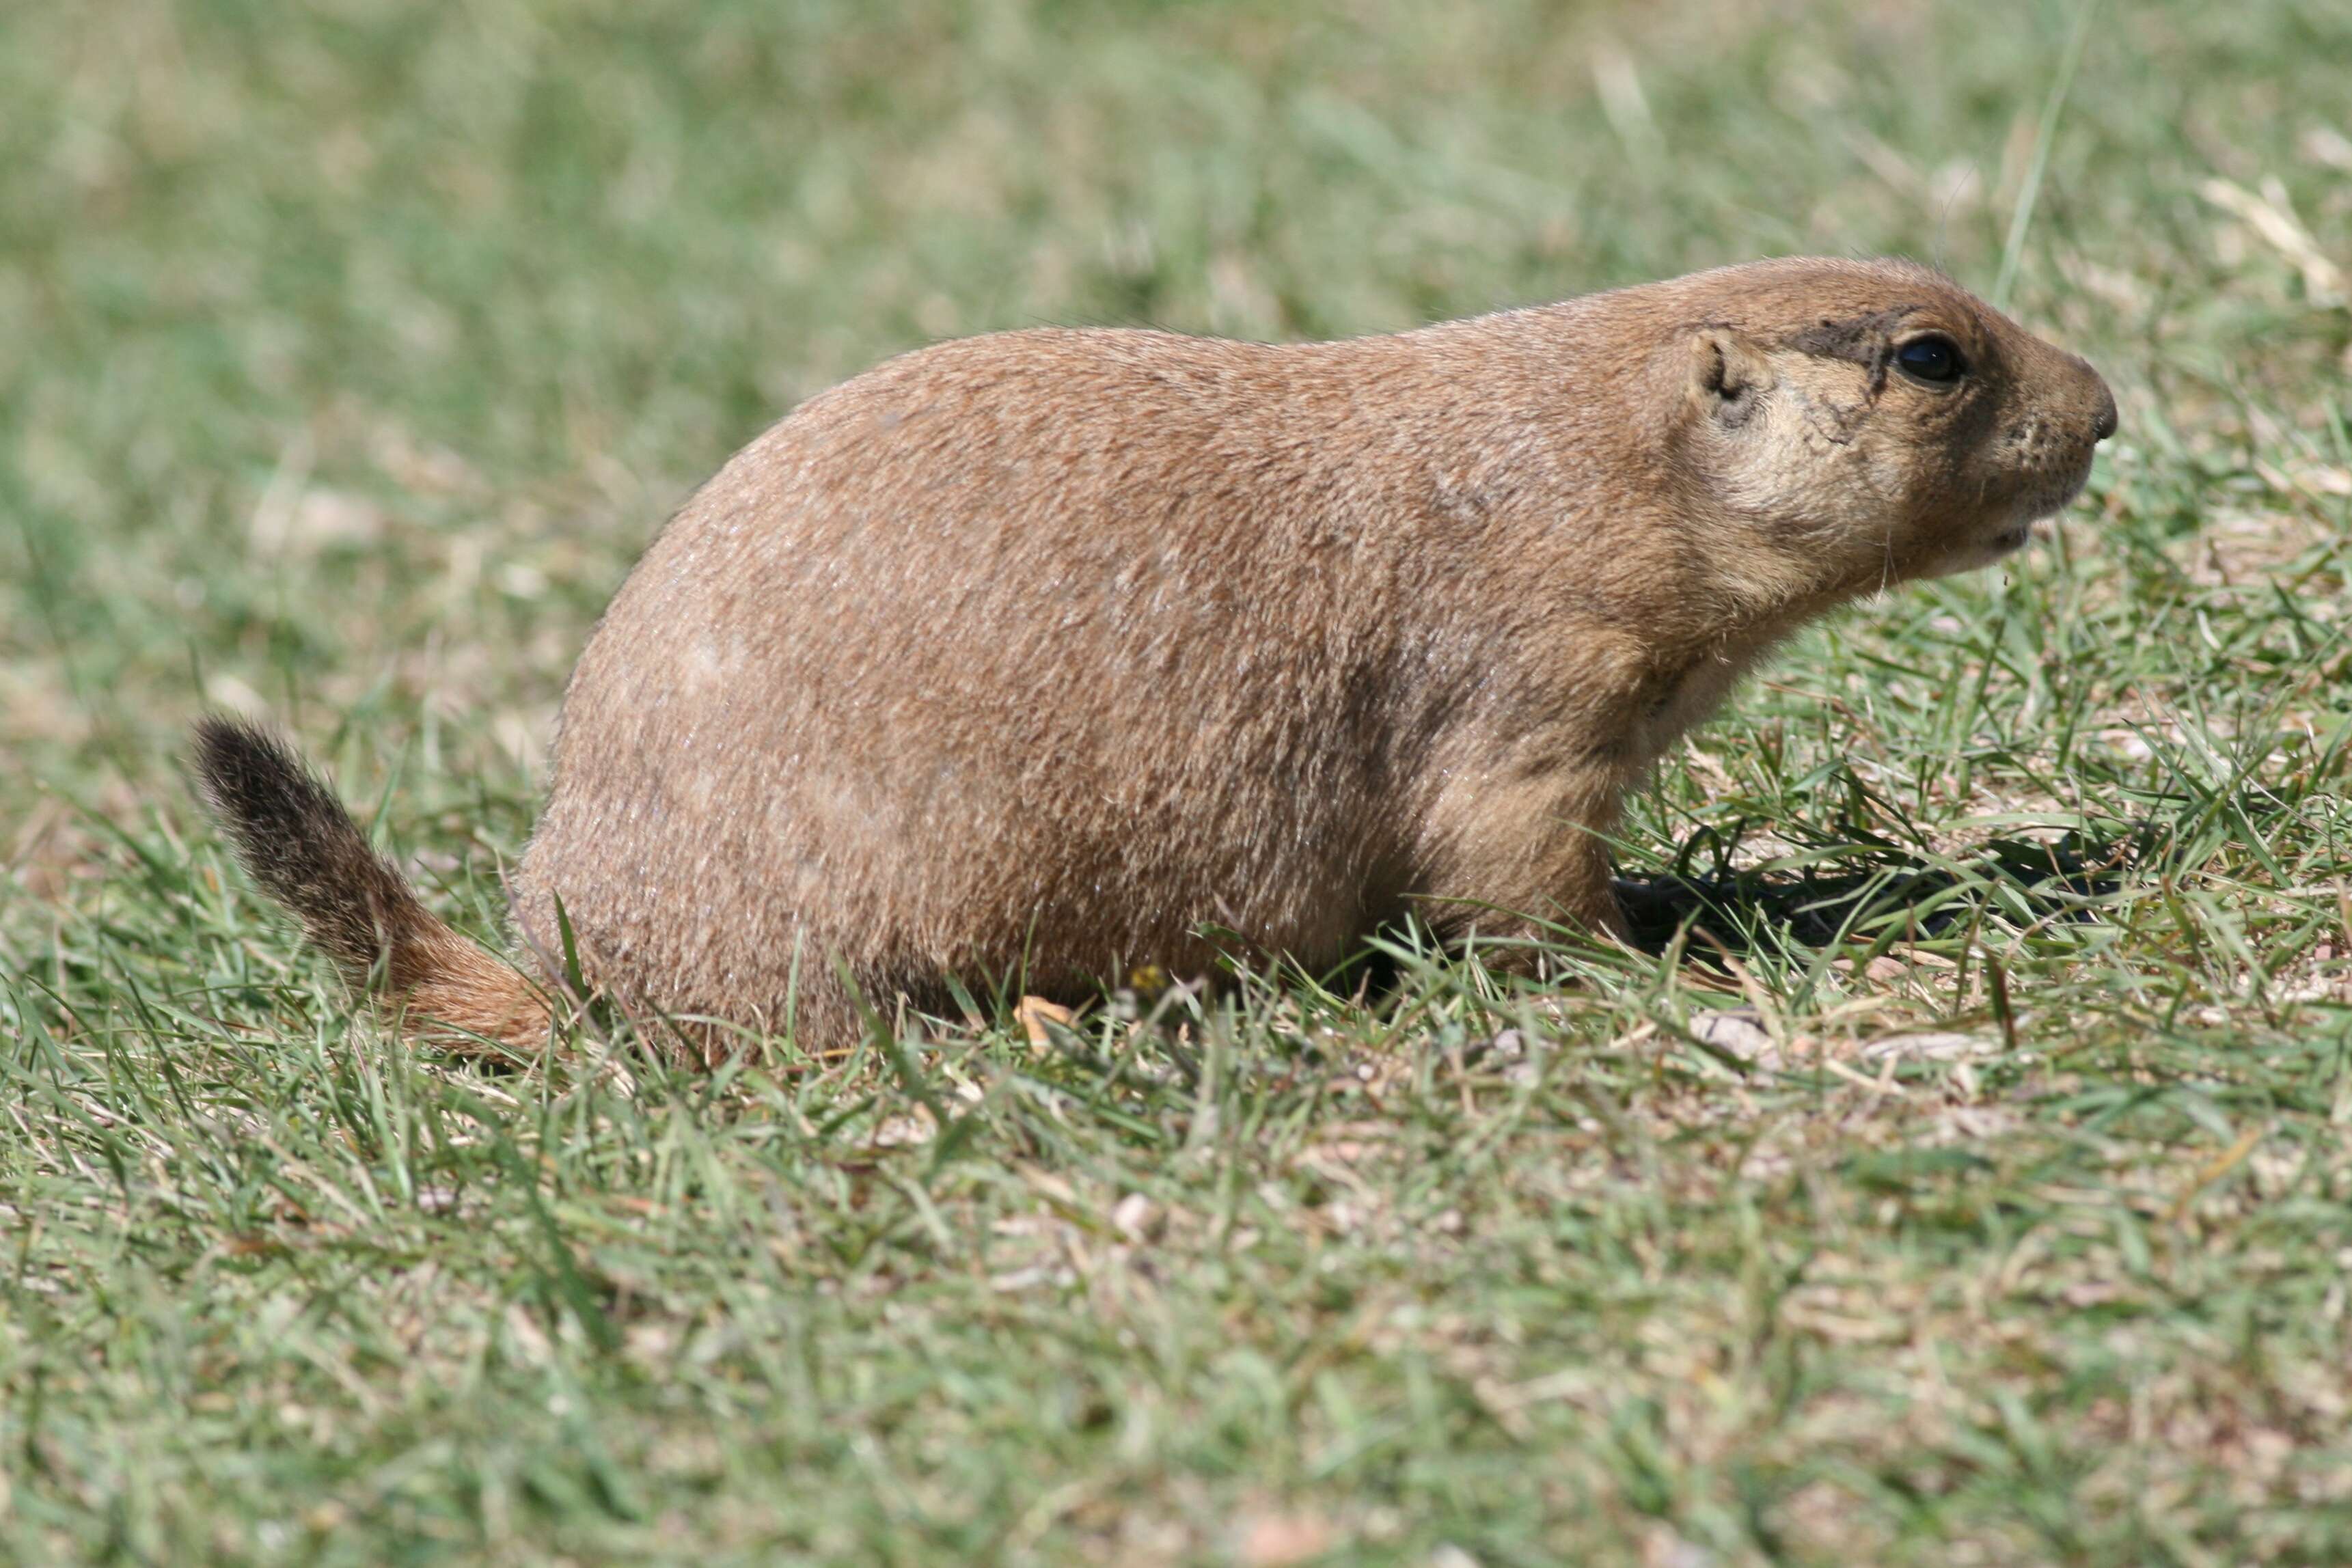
pixel 1863 423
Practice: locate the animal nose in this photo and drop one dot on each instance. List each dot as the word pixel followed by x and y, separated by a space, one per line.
pixel 2103 424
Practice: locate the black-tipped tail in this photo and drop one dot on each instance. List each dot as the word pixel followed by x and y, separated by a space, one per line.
pixel 299 843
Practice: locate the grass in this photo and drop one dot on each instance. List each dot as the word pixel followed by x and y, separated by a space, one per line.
pixel 1972 1188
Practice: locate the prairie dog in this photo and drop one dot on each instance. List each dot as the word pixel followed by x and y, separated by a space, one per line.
pixel 1047 653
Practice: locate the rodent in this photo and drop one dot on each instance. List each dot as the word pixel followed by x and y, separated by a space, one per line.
pixel 1030 657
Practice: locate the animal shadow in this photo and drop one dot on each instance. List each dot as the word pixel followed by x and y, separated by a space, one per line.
pixel 1855 893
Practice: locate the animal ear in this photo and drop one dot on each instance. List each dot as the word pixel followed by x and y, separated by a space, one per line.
pixel 1729 375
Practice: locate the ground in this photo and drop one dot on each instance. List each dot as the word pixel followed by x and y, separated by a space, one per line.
pixel 1964 1181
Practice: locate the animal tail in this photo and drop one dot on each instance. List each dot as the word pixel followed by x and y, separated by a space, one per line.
pixel 301 845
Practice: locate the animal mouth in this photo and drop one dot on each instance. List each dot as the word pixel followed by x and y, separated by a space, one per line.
pixel 2051 500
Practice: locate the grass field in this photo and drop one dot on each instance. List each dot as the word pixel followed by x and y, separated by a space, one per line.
pixel 1992 1203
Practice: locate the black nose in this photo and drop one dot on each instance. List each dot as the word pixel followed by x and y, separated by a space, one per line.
pixel 2103 425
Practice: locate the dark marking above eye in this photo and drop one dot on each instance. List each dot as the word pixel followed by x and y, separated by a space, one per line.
pixel 1933 358
pixel 1859 339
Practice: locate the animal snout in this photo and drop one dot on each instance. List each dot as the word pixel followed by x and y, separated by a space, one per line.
pixel 2103 416
pixel 2097 400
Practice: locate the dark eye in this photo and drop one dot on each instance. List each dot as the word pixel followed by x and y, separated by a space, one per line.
pixel 1929 359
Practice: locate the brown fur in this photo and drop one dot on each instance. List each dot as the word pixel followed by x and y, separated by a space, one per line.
pixel 1038 655
pixel 308 853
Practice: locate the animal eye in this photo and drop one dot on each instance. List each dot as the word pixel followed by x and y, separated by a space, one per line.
pixel 1929 359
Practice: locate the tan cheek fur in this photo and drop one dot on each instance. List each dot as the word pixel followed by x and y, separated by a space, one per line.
pixel 1029 657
